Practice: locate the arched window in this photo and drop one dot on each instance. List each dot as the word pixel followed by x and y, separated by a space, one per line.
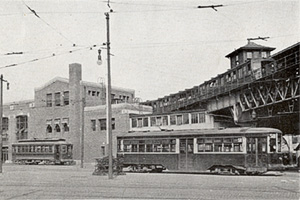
pixel 49 129
pixel 57 128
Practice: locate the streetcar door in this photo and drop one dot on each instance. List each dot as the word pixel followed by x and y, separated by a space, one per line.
pixel 56 153
pixel 256 157
pixel 186 154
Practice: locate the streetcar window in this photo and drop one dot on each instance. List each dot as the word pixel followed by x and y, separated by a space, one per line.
pixel 165 148
pixel 165 120
pixel 172 145
pixel 172 119
pixel 227 147
pixel 134 148
pixel 201 147
pixel 127 147
pixel 133 122
pixel 272 143
pixel 141 146
pixel 195 118
pixel 63 149
pixel 179 119
pixel 140 123
pixel 145 122
pixel 157 147
pixel 237 147
pixel 208 147
pixel 279 142
pixel 218 147
pixel 47 148
pixel 185 118
pixel 118 146
pixel 70 148
pixel 149 148
pixel 38 148
pixel 218 140
pixel 152 121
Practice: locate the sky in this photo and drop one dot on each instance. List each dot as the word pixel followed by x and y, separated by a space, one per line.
pixel 158 47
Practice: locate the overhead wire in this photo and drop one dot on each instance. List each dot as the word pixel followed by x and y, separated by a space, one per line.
pixel 46 57
pixel 35 13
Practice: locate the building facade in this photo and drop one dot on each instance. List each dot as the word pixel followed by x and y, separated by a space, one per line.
pixel 63 108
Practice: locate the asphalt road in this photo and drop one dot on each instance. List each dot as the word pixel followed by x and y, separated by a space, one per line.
pixel 73 182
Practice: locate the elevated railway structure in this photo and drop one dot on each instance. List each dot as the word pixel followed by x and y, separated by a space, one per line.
pixel 259 89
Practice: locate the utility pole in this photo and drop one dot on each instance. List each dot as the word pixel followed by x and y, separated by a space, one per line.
pixel 1 116
pixel 108 104
pixel 82 126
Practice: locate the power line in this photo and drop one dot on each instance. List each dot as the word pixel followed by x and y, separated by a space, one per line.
pixel 35 13
pixel 11 53
pixel 46 57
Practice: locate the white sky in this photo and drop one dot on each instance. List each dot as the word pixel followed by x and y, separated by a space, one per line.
pixel 159 47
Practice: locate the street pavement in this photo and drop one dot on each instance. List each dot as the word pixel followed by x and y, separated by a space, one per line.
pixel 73 182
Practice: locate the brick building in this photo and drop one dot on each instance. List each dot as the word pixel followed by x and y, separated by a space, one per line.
pixel 59 108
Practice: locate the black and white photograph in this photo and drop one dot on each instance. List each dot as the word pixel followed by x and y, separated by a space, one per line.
pixel 149 99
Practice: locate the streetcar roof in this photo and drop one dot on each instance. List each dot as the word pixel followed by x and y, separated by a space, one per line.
pixel 43 141
pixel 193 132
pixel 40 143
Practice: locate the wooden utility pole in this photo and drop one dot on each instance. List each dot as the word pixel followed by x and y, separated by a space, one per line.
pixel 108 104
pixel 1 118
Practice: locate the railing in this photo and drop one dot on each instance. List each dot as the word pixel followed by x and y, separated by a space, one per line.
pixel 281 64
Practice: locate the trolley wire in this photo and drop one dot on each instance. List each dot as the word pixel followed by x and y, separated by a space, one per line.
pixel 35 13
pixel 46 57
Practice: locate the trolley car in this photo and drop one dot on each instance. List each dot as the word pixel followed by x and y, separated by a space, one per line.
pixel 230 150
pixel 42 151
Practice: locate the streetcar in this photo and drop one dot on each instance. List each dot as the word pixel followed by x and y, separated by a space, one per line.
pixel 223 151
pixel 42 151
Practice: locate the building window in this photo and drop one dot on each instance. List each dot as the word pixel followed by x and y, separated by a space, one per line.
pixel 66 98
pixel 57 127
pixel 57 99
pixel 264 54
pixel 5 123
pixel 22 126
pixel 103 124
pixel 249 55
pixel 237 60
pixel 93 124
pixel 113 124
pixel 49 127
pixel 49 100
pixel 66 124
